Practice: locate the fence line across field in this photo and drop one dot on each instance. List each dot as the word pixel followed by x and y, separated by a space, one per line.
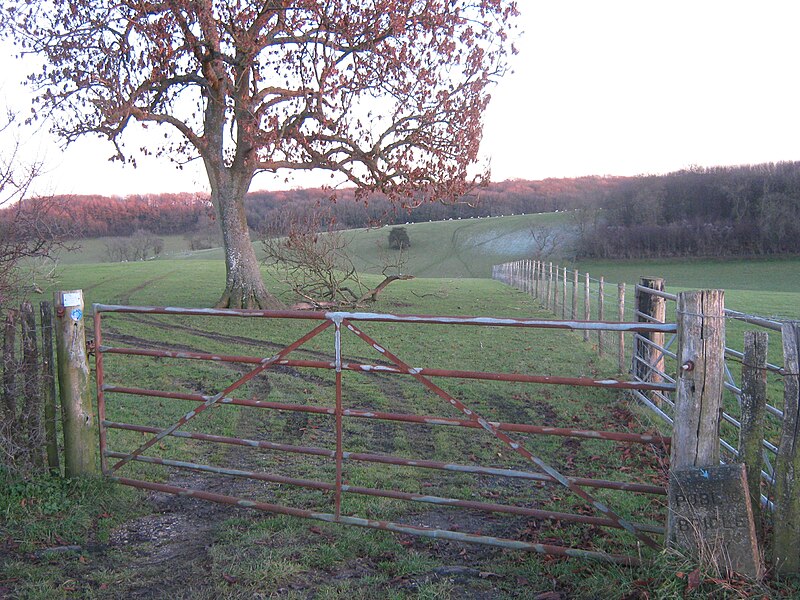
pixel 647 356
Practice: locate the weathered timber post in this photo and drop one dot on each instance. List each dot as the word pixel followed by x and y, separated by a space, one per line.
pixel 49 388
pixel 574 315
pixel 786 554
pixel 587 311
pixel 621 319
pixel 73 382
pixel 31 411
pixel 550 287
pixel 698 397
pixel 601 303
pixel 564 295
pixel 556 271
pixel 754 402
pixel 648 358
pixel 710 515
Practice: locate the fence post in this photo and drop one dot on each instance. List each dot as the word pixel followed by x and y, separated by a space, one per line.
pixel 587 311
pixel 699 384
pixel 564 295
pixel 648 360
pixel 754 400
pixel 787 464
pixel 49 388
pixel 621 319
pixel 601 303
pixel 556 270
pixel 73 381
pixel 698 398
pixel 574 315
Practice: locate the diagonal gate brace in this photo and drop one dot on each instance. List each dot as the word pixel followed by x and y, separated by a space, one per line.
pixel 265 364
pixel 514 445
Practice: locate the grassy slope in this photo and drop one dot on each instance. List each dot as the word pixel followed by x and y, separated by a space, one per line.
pixel 465 248
pixel 468 248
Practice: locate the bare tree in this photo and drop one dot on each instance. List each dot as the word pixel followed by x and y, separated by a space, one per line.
pixel 387 94
pixel 27 225
pixel 314 261
pixel 546 240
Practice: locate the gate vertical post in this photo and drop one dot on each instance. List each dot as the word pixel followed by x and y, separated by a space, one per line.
pixel 73 380
pixel 101 395
pixel 339 430
pixel 648 361
pixel 787 464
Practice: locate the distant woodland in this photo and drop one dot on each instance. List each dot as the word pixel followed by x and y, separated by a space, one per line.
pixel 743 210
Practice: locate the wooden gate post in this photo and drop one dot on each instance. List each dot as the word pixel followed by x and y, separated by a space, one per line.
pixel 787 465
pixel 710 516
pixel 701 367
pixel 73 382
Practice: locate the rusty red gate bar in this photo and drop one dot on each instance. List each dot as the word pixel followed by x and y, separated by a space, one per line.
pixel 397 366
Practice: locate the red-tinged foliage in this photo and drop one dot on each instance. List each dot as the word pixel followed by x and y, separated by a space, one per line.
pixel 387 94
pixel 272 212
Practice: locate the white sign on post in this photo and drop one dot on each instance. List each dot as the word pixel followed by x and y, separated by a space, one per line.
pixel 73 298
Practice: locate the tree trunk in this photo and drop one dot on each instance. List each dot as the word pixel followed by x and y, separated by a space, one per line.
pixel 244 287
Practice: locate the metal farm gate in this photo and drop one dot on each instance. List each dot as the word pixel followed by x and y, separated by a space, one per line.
pixel 347 327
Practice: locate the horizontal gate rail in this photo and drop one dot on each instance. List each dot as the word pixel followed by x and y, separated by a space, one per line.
pixel 515 377
pixel 392 318
pixel 636 438
pixel 424 498
pixel 439 534
pixel 398 461
pixel 394 366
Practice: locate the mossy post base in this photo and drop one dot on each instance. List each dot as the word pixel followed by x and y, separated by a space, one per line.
pixel 74 385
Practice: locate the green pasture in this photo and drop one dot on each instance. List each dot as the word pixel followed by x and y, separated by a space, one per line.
pixel 264 553
pixel 269 555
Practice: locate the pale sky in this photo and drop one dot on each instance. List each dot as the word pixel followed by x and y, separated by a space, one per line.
pixel 599 88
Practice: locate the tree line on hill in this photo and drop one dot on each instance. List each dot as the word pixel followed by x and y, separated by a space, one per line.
pixel 720 211
pixel 743 210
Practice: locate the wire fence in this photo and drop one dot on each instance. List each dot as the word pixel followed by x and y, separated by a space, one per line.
pixel 569 293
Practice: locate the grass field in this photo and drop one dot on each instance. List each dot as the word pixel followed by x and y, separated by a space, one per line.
pixel 265 554
pixel 136 545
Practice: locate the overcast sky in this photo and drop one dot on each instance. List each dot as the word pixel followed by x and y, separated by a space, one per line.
pixel 598 88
